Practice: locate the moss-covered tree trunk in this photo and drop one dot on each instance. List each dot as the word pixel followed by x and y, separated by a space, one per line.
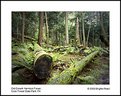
pixel 42 63
pixel 68 75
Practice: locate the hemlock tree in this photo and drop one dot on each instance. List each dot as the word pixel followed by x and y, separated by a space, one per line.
pixel 40 35
pixel 103 35
pixel 77 32
pixel 23 26
pixel 66 28
pixel 83 29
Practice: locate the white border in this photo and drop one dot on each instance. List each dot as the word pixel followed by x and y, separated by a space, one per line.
pixel 113 6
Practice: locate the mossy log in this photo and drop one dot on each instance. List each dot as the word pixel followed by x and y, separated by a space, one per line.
pixel 68 75
pixel 38 61
pixel 20 60
pixel 30 38
pixel 42 63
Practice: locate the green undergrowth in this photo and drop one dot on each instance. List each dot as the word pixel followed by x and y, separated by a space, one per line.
pixel 17 79
pixel 22 54
pixel 94 71
pixel 63 58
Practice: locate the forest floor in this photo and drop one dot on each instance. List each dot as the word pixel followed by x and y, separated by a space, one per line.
pixel 95 72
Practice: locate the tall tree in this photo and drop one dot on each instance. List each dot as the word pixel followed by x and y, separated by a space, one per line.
pixel 40 35
pixel 47 31
pixel 103 35
pixel 88 34
pixel 66 28
pixel 23 26
pixel 17 31
pixel 83 29
pixel 77 32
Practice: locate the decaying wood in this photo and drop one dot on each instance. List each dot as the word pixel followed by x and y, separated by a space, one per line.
pixel 42 63
pixel 68 75
pixel 30 38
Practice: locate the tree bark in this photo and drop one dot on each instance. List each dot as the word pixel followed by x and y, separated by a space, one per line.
pixel 103 35
pixel 88 34
pixel 42 62
pixel 77 32
pixel 80 33
pixel 83 30
pixel 66 28
pixel 23 26
pixel 40 35
pixel 68 75
pixel 17 31
pixel 47 31
pixel 30 38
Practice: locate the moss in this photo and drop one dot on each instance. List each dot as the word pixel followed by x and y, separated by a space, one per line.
pixel 85 79
pixel 17 79
pixel 68 75
pixel 21 60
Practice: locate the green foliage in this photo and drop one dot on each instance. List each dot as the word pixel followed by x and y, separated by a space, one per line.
pixel 88 50
pixel 24 54
pixel 70 50
pixel 56 26
pixel 17 79
pixel 29 58
pixel 85 80
pixel 56 56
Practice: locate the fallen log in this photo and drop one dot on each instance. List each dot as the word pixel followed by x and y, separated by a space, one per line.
pixel 38 61
pixel 68 75
pixel 20 60
pixel 42 63
pixel 30 38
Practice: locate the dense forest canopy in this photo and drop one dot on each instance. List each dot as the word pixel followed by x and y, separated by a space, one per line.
pixel 62 28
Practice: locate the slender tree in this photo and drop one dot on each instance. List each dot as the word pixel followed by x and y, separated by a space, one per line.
pixel 47 30
pixel 66 28
pixel 40 35
pixel 83 29
pixel 77 31
pixel 88 34
pixel 17 31
pixel 103 34
pixel 23 26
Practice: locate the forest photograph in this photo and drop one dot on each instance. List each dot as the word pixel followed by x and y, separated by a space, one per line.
pixel 60 47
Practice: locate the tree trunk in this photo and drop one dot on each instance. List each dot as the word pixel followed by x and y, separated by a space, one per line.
pixel 23 25
pixel 30 38
pixel 84 43
pixel 42 62
pixel 17 31
pixel 68 75
pixel 66 28
pixel 77 32
pixel 40 35
pixel 103 35
pixel 47 31
pixel 88 34
pixel 80 33
pixel 93 37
